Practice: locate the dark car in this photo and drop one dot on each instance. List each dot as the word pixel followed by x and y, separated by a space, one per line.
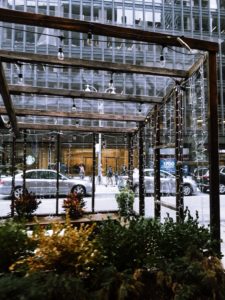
pixel 204 181
pixel 200 175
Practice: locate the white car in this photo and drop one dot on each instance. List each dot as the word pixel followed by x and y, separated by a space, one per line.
pixel 42 182
pixel 167 183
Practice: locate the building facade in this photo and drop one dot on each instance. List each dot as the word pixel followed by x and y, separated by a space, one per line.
pixel 200 19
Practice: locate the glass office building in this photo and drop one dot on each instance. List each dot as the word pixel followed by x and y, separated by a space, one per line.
pixel 195 18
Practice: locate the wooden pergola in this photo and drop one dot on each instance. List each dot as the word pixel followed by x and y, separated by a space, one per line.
pixel 6 90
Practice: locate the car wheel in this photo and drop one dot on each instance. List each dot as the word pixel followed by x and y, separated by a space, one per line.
pixel 204 190
pixel 18 192
pixel 79 189
pixel 187 190
pixel 222 188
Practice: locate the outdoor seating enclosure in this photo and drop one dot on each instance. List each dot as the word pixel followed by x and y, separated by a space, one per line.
pixel 48 126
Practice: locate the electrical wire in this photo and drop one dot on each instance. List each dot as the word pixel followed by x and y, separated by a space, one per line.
pixel 94 40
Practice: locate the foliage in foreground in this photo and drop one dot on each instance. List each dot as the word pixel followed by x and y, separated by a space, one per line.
pixel 67 249
pixel 141 259
pixel 14 243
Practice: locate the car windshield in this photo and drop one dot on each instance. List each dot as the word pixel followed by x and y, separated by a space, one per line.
pixel 200 172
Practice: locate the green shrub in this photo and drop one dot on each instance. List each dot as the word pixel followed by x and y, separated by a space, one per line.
pixel 125 201
pixel 14 244
pixel 43 285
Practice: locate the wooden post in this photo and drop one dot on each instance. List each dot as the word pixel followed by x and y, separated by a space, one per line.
pixel 13 175
pixel 179 155
pixel 93 173
pixel 157 196
pixel 24 159
pixel 213 151
pixel 58 170
pixel 141 171
pixel 130 160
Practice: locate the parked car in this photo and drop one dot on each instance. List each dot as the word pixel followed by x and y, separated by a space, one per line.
pixel 204 181
pixel 167 183
pixel 42 182
pixel 199 175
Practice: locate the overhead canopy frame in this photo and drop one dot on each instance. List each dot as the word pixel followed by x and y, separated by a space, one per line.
pixel 25 18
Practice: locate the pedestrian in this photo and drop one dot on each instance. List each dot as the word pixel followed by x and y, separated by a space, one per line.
pixel 81 172
pixel 124 170
pixel 116 177
pixel 109 175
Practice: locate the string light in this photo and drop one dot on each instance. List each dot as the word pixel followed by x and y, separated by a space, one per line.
pixel 162 58
pixel 111 89
pixel 60 50
pixel 20 74
pixel 140 108
pixel 74 108
pixel 89 38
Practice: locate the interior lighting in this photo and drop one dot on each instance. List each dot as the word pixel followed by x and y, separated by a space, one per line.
pixel 60 50
pixel 90 88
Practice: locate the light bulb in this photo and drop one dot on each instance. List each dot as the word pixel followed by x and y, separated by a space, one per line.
pixel 60 54
pixel 89 38
pixel 162 61
pixel 20 78
pixel 111 83
pixel 74 108
pixel 140 108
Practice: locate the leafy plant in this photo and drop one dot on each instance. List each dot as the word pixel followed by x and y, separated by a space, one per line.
pixel 125 201
pixel 26 204
pixel 43 285
pixel 14 244
pixel 67 249
pixel 74 205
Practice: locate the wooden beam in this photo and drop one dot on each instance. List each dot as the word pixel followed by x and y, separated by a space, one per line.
pixel 15 57
pixel 194 68
pixel 74 115
pixel 7 101
pixel 17 90
pixel 41 126
pixel 213 151
pixel 32 19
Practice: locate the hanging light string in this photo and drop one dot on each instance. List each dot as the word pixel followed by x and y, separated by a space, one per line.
pixel 91 41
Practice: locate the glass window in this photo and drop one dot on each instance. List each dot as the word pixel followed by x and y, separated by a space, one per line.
pixel 31 175
pixel 52 175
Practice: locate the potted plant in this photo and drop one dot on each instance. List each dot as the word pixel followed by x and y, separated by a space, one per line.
pixel 74 205
pixel 26 204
